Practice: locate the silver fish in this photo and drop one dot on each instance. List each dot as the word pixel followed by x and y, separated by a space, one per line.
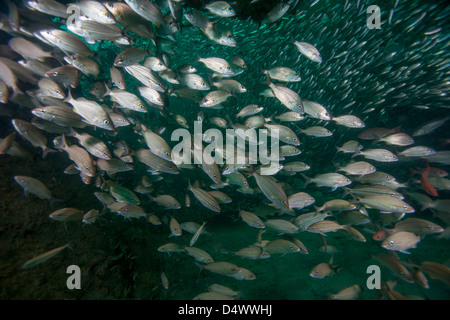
pixel 91 111
pixel 147 10
pixel 93 145
pixel 34 186
pixel 155 162
pixel 43 257
pixel 205 198
pixel 32 135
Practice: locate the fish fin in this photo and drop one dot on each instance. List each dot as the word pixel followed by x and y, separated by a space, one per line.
pixel 333 189
pixel 357 153
pixel 69 96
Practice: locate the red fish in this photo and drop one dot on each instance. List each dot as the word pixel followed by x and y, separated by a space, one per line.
pixel 426 185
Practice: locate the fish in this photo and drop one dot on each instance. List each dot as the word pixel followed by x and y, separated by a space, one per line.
pixel 126 100
pixel 381 155
pixel 80 156
pixel 215 287
pixel 170 248
pixel 49 7
pixel 398 139
pixel 147 10
pixel 316 110
pixel 430 127
pixel 67 215
pixel 249 110
pixel 251 219
pixel 272 190
pixel 6 143
pixel 436 270
pixel 196 235
pixel 214 98
pixel 325 226
pixel 283 133
pixel 222 268
pixel 417 151
pixel 93 145
pixel 28 49
pixel 167 201
pixel 395 266
pixel 155 162
pixel 333 180
pixel 349 121
pixel 288 98
pixel 221 8
pixel 317 131
pixel 199 255
pixel 358 168
pixel 146 76
pixel 92 112
pixel 418 226
pixel 97 11
pixel 426 185
pixel 276 13
pixel 129 56
pixel 164 280
pixel 300 200
pixel 386 204
pixel 218 65
pixel 86 65
pixel 323 270
pixel 281 246
pixel 43 257
pixel 175 228
pixel 156 143
pixel 281 226
pixel 64 40
pixel 252 252
pixel 337 205
pixel 349 293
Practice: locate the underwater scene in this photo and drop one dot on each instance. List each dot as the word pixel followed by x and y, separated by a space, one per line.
pixel 224 150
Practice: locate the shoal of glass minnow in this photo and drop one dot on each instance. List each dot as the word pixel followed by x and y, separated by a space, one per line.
pixel 267 242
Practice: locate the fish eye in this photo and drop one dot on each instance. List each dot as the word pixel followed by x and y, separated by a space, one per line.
pixel 105 121
pixel 405 207
pixel 55 73
pixel 391 243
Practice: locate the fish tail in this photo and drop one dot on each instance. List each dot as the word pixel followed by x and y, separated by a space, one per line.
pixel 307 180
